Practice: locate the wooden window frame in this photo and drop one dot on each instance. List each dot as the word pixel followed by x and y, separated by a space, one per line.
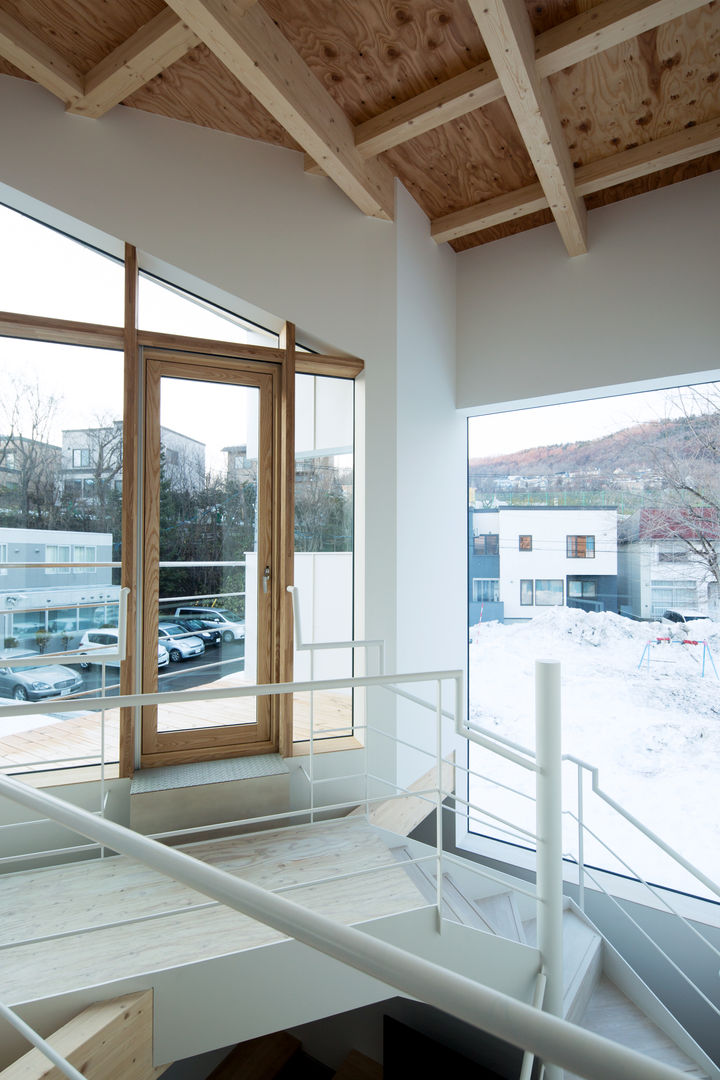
pixel 130 340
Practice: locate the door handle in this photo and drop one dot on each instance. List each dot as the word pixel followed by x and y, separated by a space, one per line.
pixel 266 578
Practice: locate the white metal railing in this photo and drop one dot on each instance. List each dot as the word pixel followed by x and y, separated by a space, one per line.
pixel 552 1039
pixel 549 892
pixel 546 765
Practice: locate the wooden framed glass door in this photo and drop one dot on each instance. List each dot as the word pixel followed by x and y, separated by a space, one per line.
pixel 208 553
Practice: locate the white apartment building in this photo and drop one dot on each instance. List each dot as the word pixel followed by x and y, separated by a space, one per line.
pixel 530 558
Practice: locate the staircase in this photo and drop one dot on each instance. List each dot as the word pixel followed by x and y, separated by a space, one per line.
pixel 590 999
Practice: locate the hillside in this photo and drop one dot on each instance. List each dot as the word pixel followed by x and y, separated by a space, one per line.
pixel 633 449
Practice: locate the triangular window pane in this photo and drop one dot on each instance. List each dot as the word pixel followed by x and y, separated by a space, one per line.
pixel 44 272
pixel 168 310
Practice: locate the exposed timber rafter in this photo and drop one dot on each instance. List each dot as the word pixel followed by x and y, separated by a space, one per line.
pixel 685 145
pixel 149 51
pixel 33 57
pixel 508 36
pixel 252 47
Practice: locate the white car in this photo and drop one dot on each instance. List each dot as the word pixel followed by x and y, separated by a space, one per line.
pixel 179 644
pixel 109 638
pixel 228 622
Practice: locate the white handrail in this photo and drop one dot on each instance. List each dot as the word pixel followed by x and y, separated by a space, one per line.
pixel 32 1037
pixel 549 1037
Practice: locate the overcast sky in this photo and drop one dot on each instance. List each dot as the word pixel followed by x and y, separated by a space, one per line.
pixel 505 433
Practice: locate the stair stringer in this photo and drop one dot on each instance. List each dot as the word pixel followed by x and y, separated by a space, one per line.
pixel 227 999
pixel 627 980
pixel 466 874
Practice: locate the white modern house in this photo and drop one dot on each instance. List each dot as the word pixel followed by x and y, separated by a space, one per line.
pixel 661 564
pixel 531 558
pixel 428 335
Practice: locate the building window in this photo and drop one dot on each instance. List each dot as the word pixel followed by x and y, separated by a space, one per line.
pixel 526 592
pixel 673 594
pixel 585 590
pixel 581 547
pixel 486 590
pixel 487 544
pixel 525 543
pixel 3 558
pixel 82 553
pixel 549 592
pixel 81 459
pixel 9 459
pixel 57 553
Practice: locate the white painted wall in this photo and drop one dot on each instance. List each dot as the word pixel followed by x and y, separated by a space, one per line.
pixel 431 477
pixel 642 304
pixel 240 223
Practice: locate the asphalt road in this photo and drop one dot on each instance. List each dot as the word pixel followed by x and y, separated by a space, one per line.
pixel 197 671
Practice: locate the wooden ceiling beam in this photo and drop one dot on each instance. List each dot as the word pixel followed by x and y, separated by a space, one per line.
pixel 601 28
pixel 508 36
pixel 439 105
pixel 252 47
pixel 33 57
pixel 585 35
pixel 685 145
pixel 149 51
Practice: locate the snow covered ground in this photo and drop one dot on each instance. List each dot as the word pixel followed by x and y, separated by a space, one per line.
pixel 654 732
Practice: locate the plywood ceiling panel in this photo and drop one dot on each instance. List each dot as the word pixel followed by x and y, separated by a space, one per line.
pixel 472 159
pixel 83 32
pixel 649 87
pixel 373 54
pixel 200 90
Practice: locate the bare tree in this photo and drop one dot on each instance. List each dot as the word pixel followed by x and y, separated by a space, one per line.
pixel 30 464
pixel 687 460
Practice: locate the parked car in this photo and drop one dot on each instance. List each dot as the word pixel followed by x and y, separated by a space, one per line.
pixel 675 616
pixel 207 632
pixel 179 644
pixel 228 622
pixel 107 638
pixel 35 683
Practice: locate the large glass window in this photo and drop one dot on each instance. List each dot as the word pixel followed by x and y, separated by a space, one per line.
pixel 486 590
pixel 631 483
pixel 44 272
pixel 581 547
pixel 487 544
pixel 55 398
pixel 169 310
pixel 324 488
pixel 549 592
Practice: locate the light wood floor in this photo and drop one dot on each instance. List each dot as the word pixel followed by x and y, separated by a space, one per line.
pixel 69 898
pixel 79 736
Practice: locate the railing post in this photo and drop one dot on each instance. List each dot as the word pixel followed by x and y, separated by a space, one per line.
pixel 439 808
pixel 549 836
pixel 581 837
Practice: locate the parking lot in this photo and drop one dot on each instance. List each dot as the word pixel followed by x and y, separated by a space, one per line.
pixel 197 671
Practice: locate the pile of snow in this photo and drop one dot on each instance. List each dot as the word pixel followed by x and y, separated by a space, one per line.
pixel 652 729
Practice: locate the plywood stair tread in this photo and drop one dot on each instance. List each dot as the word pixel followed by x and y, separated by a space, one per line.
pixel 63 900
pixel 610 1013
pixel 501 912
pixel 258 1059
pixel 357 1066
